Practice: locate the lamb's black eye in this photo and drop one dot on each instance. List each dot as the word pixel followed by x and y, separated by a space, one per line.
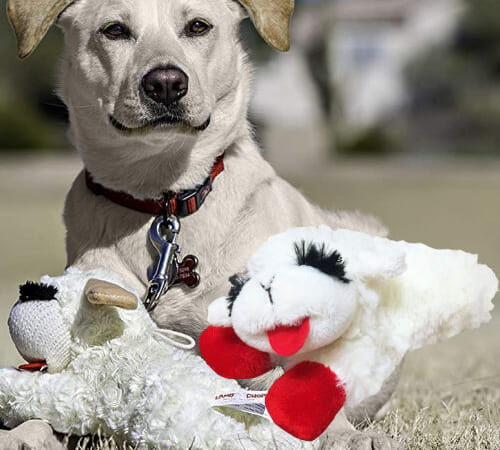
pixel 330 263
pixel 198 27
pixel 237 282
pixel 115 30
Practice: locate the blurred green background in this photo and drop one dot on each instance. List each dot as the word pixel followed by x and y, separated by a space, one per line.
pixel 32 119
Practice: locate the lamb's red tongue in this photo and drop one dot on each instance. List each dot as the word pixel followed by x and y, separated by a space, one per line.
pixel 288 340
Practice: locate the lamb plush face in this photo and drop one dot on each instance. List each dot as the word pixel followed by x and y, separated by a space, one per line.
pixel 302 303
pixel 302 289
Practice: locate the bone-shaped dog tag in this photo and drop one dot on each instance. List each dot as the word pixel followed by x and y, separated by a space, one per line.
pixel 186 272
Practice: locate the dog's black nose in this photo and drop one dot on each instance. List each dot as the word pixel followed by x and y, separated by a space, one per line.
pixel 165 85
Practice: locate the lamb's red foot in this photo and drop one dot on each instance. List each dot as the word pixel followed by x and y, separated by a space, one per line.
pixel 305 400
pixel 230 357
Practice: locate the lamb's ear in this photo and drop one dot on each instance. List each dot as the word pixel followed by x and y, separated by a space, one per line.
pixel 218 313
pixel 368 256
pixel 99 292
pixel 380 262
pixel 272 20
pixel 31 19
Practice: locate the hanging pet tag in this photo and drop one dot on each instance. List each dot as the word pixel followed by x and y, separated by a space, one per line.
pixel 186 272
pixel 167 271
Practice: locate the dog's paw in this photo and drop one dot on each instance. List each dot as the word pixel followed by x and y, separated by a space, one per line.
pixel 9 442
pixel 358 440
pixel 31 435
pixel 262 382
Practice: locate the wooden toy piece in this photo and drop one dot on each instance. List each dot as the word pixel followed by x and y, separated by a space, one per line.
pixel 100 292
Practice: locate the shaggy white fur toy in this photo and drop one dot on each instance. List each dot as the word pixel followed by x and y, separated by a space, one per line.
pixel 113 369
pixel 352 302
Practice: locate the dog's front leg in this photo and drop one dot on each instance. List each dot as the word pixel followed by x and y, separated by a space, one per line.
pixel 342 435
pixel 376 406
pixel 33 434
pixel 264 381
pixel 108 261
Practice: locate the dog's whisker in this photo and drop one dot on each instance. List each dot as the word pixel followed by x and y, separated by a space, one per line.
pixel 85 106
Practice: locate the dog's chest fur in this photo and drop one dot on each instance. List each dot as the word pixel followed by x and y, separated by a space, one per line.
pixel 249 202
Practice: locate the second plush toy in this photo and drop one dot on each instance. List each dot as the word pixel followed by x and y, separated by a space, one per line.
pixel 338 310
pixel 106 367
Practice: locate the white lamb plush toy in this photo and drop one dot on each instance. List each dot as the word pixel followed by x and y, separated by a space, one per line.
pixel 112 369
pixel 338 310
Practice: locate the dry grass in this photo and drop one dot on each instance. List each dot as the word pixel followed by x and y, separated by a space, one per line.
pixel 449 396
pixel 463 418
pixel 99 442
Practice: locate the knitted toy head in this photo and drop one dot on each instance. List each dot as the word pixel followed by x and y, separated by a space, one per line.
pixel 339 310
pixel 50 330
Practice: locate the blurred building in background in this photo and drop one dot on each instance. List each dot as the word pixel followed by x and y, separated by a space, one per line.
pixel 363 49
pixel 372 42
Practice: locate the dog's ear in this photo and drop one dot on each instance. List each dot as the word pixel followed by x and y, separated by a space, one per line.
pixel 31 19
pixel 272 20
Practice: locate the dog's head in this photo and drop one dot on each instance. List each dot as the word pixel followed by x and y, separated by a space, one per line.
pixel 148 66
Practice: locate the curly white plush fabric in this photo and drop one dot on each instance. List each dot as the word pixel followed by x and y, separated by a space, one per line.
pixel 126 380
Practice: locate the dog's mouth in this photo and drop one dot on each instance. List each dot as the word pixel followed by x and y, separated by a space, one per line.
pixel 163 122
pixel 286 340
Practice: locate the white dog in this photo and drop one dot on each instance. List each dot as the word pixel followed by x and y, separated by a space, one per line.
pixel 157 90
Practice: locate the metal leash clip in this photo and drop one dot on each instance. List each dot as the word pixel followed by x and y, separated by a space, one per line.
pixel 167 270
pixel 162 235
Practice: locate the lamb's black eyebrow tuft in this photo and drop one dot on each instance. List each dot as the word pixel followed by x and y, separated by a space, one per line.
pixel 237 282
pixel 330 263
pixel 36 291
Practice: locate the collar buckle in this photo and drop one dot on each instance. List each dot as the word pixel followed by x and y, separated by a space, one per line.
pixel 188 202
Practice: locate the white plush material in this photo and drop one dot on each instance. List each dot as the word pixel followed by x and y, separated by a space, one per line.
pixel 401 296
pixel 122 377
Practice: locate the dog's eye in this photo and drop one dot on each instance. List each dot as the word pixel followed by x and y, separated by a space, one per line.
pixel 197 27
pixel 115 30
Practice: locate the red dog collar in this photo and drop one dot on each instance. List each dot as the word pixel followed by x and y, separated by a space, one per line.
pixel 180 204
